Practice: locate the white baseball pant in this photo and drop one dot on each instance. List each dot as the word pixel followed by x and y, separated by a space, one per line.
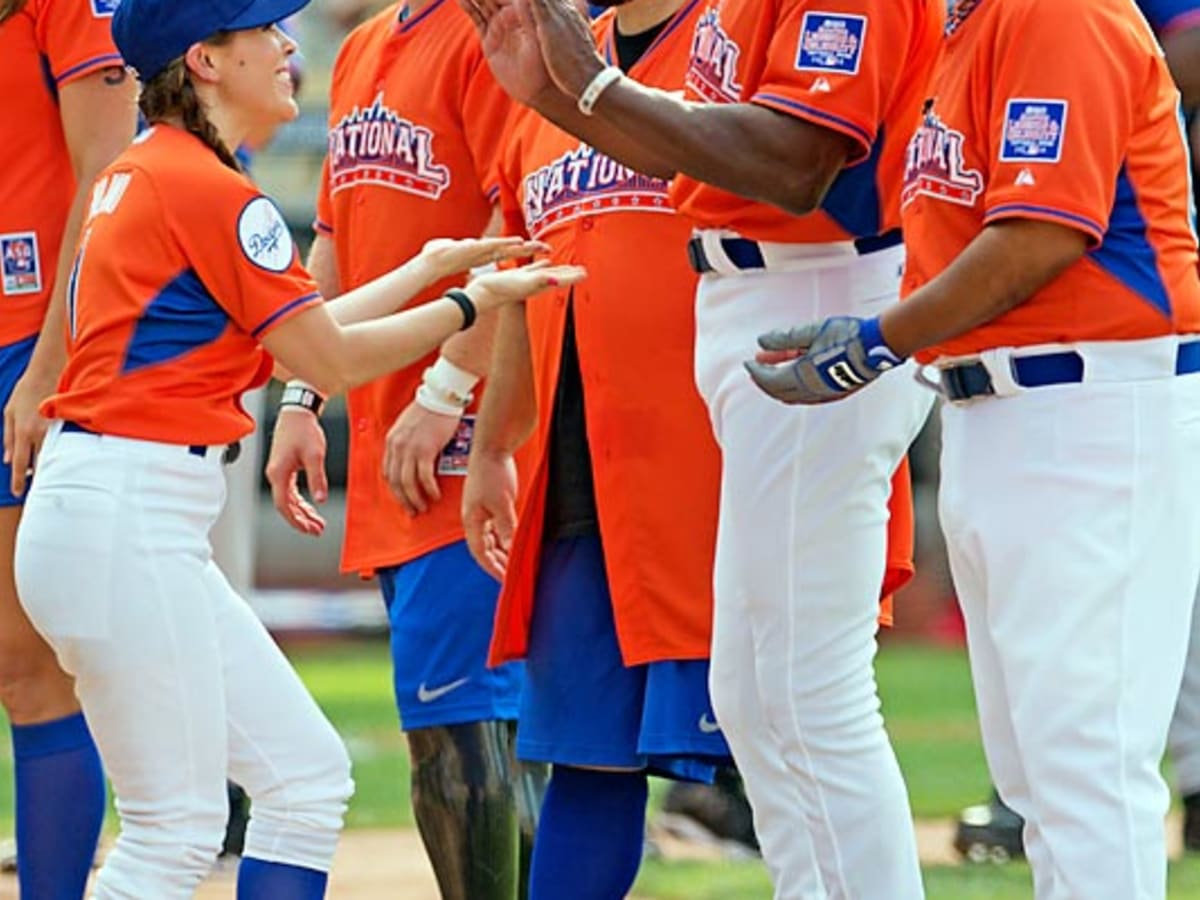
pixel 181 684
pixel 1183 739
pixel 1072 518
pixel 799 564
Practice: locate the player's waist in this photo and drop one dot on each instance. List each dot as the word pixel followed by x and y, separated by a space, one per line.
pixel 723 253
pixel 223 454
pixel 1007 371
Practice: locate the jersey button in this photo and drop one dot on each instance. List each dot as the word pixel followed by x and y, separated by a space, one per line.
pixel 361 425
pixel 587 224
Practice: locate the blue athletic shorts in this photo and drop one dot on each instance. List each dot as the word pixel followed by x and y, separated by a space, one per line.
pixel 14 360
pixel 440 607
pixel 583 706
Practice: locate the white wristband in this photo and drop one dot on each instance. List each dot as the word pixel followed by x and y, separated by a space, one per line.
pixel 435 403
pixel 604 79
pixel 445 388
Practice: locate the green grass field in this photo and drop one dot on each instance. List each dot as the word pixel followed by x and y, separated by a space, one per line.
pixel 930 713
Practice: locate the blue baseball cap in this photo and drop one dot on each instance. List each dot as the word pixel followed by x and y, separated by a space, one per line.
pixel 152 33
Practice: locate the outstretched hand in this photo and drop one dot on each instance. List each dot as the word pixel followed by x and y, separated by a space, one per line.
pixel 821 362
pixel 508 285
pixel 449 257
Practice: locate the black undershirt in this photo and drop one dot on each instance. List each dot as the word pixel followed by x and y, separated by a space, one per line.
pixel 570 493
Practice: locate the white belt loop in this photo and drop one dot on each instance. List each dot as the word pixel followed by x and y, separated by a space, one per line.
pixel 998 362
pixel 714 251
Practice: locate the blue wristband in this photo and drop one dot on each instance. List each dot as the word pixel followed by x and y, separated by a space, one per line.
pixel 880 356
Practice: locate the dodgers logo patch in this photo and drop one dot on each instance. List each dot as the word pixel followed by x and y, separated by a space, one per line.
pixel 831 42
pixel 104 9
pixel 21 264
pixel 264 236
pixel 1033 131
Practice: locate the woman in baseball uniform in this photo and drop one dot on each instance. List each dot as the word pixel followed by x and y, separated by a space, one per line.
pixel 1052 280
pixel 184 286
pixel 68 111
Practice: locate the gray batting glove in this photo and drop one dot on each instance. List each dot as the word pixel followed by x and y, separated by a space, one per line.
pixel 839 356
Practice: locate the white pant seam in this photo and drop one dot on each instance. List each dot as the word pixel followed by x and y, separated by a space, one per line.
pixel 792 693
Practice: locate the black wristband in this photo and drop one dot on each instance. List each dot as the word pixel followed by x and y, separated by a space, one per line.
pixel 302 396
pixel 466 304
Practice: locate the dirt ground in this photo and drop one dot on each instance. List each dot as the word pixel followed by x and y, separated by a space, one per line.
pixel 385 865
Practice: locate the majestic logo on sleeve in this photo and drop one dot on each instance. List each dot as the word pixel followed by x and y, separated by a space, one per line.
pixel 831 42
pixel 374 145
pixel 934 164
pixel 713 71
pixel 584 182
pixel 1033 131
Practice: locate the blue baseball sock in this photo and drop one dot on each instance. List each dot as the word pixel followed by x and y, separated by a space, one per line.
pixel 590 834
pixel 60 807
pixel 260 880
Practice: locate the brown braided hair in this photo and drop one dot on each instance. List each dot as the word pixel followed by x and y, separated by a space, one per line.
pixel 9 8
pixel 171 94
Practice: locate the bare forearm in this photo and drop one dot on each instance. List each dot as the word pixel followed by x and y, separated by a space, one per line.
pixel 1001 269
pixel 509 411
pixel 745 149
pixel 383 296
pixel 471 350
pixel 346 356
pixel 50 352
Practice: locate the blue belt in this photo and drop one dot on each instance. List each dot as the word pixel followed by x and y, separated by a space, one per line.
pixel 969 380
pixel 230 452
pixel 747 255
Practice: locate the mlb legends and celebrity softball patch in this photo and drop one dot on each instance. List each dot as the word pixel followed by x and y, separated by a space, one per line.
pixel 831 42
pixel 21 264
pixel 1033 130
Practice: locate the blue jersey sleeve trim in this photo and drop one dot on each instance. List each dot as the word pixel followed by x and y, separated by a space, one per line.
pixel 283 311
pixel 820 117
pixel 96 62
pixel 1030 210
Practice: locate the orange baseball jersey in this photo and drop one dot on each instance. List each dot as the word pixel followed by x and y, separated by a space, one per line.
pixel 858 67
pixel 46 45
pixel 183 265
pixel 1023 124
pixel 656 467
pixel 415 125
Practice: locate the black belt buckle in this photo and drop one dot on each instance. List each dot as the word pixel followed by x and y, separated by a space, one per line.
pixel 697 257
pixel 966 381
pixel 229 453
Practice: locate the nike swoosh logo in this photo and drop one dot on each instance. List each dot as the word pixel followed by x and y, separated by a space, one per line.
pixel 428 695
pixel 708 726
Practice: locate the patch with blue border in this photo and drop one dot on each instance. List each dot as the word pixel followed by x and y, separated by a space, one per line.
pixel 831 42
pixel 1033 131
pixel 20 263
pixel 104 9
